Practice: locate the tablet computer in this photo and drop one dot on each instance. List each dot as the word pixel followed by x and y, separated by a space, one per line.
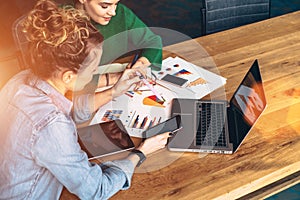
pixel 104 139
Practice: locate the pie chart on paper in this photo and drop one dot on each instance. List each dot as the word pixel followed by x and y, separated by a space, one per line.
pixel 153 101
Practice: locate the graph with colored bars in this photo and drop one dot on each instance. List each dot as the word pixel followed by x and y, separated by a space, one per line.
pixel 151 100
pixel 200 81
pixel 181 72
pixel 110 115
pixel 138 110
pixel 135 119
pixel 141 122
pixel 193 79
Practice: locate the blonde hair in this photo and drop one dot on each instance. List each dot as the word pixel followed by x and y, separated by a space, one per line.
pixel 59 38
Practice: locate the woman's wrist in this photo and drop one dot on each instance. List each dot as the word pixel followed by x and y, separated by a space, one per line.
pixel 138 154
pixel 140 148
pixel 133 158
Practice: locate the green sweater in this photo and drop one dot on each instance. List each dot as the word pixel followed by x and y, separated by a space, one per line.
pixel 125 33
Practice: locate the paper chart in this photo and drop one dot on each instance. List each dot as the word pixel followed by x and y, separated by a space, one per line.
pixel 138 110
pixel 200 81
pixel 111 115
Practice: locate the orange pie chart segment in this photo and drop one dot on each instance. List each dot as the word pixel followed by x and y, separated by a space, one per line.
pixel 153 101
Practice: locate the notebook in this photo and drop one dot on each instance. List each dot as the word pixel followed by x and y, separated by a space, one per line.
pixel 219 126
pixel 104 139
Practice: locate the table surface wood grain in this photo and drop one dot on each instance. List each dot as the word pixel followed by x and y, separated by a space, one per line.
pixel 270 152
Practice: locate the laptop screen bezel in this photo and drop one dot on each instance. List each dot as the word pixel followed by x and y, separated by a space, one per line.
pixel 236 138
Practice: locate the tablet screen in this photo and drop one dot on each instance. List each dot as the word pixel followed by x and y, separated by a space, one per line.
pixel 104 139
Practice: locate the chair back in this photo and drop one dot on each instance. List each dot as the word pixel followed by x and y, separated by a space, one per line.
pixel 21 42
pixel 226 14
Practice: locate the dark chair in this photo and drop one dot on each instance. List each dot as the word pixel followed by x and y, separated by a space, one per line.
pixel 182 18
pixel 219 15
pixel 198 17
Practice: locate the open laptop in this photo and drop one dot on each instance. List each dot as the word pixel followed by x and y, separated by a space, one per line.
pixel 104 139
pixel 219 126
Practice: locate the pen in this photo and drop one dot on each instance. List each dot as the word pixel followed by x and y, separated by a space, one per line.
pixel 149 86
pixel 174 131
pixel 135 58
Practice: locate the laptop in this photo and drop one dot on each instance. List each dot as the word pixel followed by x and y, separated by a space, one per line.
pixel 104 139
pixel 219 126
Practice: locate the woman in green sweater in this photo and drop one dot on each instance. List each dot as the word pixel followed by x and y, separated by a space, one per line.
pixel 123 32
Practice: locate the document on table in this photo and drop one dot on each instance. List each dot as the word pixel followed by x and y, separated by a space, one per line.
pixel 140 110
pixel 200 81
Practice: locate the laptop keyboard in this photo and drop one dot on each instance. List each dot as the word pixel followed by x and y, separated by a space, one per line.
pixel 210 128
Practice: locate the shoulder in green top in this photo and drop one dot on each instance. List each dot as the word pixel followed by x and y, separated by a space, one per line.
pixel 125 33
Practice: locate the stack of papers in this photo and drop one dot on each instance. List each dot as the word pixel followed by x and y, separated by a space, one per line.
pixel 140 110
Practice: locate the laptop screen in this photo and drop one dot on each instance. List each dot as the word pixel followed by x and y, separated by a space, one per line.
pixel 248 102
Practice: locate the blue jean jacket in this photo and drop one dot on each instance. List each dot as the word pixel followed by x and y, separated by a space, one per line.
pixel 39 152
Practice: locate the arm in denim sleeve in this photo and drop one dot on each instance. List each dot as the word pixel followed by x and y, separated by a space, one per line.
pixel 82 107
pixel 55 147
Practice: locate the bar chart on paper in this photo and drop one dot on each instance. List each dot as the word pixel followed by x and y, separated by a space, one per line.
pixel 138 110
pixel 153 101
pixel 139 122
pixel 200 81
pixel 142 109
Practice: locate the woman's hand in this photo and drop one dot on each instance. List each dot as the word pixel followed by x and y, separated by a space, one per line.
pixel 142 63
pixel 128 78
pixel 154 143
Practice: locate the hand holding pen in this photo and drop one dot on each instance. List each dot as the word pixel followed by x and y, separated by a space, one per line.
pixel 143 64
pixel 135 58
pixel 144 80
pixel 140 60
pixel 142 77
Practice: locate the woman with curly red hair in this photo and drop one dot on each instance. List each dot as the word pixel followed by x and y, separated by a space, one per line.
pixel 39 151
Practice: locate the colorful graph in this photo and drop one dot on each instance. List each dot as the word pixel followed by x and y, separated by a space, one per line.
pixel 198 81
pixel 111 115
pixel 153 101
pixel 182 72
pixel 136 121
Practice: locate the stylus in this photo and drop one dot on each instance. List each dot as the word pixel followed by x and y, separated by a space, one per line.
pixel 174 131
pixel 149 86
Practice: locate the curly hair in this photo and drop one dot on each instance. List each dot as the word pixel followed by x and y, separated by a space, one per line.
pixel 59 38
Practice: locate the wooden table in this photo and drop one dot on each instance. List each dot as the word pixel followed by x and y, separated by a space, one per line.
pixel 271 151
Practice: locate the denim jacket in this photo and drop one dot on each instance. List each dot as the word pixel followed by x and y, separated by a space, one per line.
pixel 39 151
